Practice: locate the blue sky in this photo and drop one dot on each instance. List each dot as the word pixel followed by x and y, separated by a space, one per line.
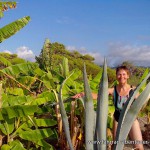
pixel 117 29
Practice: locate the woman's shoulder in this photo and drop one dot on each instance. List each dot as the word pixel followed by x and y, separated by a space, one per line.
pixel 132 87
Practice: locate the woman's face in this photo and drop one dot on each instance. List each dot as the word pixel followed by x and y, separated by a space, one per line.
pixel 122 76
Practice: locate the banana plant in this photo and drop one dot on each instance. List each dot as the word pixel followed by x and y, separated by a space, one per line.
pixel 4 6
pixel 4 61
pixel 20 110
pixel 18 120
pixel 12 28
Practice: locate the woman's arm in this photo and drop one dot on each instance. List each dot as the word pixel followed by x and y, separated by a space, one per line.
pixel 94 95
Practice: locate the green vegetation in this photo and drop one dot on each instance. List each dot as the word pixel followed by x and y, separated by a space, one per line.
pixel 12 28
pixel 37 111
pixel 52 55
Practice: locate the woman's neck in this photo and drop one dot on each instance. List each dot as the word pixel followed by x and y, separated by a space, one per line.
pixel 123 85
pixel 123 89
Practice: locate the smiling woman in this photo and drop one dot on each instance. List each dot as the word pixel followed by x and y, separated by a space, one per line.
pixel 120 94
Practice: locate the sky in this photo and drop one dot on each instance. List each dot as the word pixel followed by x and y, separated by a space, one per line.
pixel 116 29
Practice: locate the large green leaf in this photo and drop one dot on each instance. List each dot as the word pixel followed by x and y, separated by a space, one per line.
pixel 10 29
pixel 16 145
pixel 14 91
pixel 35 135
pixel 5 147
pixel 12 100
pixel 18 111
pixel 50 97
pixel 44 145
pixel 5 61
pixel 43 122
pixel 24 68
pixel 95 82
pixel 7 126
pixel 64 116
pixel 27 80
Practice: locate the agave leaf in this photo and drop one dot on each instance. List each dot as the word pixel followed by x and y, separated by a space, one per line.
pixel 128 115
pixel 89 113
pixel 102 110
pixel 12 28
pixel 64 115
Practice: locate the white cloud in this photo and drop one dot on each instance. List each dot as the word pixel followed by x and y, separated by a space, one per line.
pixel 81 49
pixel 139 55
pixel 120 52
pixel 25 53
pixel 7 51
pixel 71 48
pixel 99 59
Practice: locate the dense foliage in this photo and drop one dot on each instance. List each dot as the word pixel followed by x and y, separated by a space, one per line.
pixel 32 95
pixel 52 55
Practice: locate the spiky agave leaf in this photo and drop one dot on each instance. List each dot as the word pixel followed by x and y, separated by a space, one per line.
pixel 89 114
pixel 64 115
pixel 129 113
pixel 102 110
pixel 12 28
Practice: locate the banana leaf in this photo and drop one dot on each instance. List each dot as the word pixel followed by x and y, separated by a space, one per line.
pixel 64 115
pixel 12 28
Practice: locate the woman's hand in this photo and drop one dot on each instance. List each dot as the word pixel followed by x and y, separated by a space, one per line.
pixel 79 95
